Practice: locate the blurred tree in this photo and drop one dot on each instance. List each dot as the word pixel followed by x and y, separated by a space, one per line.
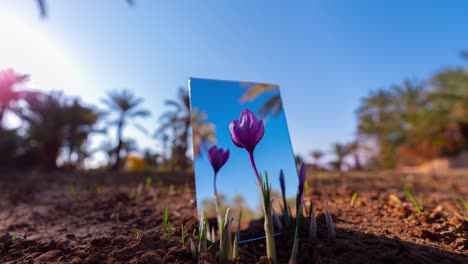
pixel 52 123
pixel 389 117
pixel 126 106
pixel 341 152
pixel 298 159
pixel 81 122
pixel 178 120
pixel 317 155
pixel 203 132
pixel 9 81
pixel 355 148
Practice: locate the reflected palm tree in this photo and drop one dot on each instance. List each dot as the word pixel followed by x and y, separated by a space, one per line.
pixel 126 106
pixel 203 132
pixel 272 105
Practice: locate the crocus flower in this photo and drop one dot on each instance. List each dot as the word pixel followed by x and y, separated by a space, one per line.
pixel 217 157
pixel 300 188
pixel 247 131
pixel 282 183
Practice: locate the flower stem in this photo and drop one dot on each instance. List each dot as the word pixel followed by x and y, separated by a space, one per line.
pixel 270 237
pixel 218 206
pixel 252 161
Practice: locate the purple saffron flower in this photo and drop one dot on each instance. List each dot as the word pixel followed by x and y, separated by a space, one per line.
pixel 218 157
pixel 247 131
pixel 282 183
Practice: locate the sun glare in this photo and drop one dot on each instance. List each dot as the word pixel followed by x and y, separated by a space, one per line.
pixel 26 49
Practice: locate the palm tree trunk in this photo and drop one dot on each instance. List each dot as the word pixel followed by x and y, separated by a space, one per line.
pixel 357 162
pixel 116 166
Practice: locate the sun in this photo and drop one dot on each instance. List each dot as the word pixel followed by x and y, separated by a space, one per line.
pixel 28 50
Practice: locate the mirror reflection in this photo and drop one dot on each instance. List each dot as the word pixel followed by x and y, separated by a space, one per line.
pixel 225 157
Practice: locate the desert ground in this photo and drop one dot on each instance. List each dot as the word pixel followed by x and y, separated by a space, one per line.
pixel 115 218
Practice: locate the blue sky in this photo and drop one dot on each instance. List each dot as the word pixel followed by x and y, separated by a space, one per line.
pixel 220 101
pixel 325 55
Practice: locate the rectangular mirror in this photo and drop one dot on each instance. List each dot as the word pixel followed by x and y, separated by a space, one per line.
pixel 214 105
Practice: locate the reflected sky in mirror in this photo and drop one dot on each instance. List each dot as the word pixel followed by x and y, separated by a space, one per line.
pixel 214 105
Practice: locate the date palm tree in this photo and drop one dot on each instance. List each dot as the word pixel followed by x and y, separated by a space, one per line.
pixel 316 155
pixel 124 106
pixel 178 121
pixel 341 152
pixel 9 80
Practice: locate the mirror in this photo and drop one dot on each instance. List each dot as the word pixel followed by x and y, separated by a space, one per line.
pixel 214 105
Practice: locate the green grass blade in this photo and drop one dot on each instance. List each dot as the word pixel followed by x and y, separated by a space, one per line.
pixel 413 200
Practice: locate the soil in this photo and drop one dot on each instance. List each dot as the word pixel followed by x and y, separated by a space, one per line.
pixel 72 218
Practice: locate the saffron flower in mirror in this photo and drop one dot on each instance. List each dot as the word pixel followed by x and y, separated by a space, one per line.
pixel 247 133
pixel 218 157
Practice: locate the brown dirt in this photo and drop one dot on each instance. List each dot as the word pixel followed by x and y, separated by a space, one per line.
pixel 42 221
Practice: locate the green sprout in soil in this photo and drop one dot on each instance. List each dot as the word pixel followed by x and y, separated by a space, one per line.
pixel 353 199
pixel 117 223
pixel 148 182
pixel 413 199
pixel 464 207
pixel 166 223
pixel 17 238
pixel 182 235
pixel 137 233
pixel 98 190
pixel 72 191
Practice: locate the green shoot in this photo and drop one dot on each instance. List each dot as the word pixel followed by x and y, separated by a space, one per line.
pixel 171 189
pixel 182 235
pixel 148 182
pixel 353 199
pixel 160 183
pixel 267 208
pixel 166 224
pixel 98 190
pixel 117 223
pixel 17 238
pixel 72 191
pixel 211 246
pixel 138 233
pixel 413 199
pixel 464 205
